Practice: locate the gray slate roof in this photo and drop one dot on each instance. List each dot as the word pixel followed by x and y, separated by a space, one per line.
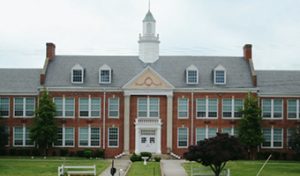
pixel 172 68
pixel 19 80
pixel 278 82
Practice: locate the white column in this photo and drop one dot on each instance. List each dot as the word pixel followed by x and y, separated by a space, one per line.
pixel 126 123
pixel 137 131
pixel 158 137
pixel 169 122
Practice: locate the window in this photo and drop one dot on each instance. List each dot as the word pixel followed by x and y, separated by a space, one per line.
pixel 231 108
pixel 148 107
pixel 89 107
pixel 89 137
pixel 24 107
pixel 113 137
pixel 231 131
pixel 65 137
pixel 205 133
pixel 182 137
pixel 292 109
pixel 290 132
pixel 22 137
pixel 113 107
pixel 219 75
pixel 272 137
pixel 191 75
pixel 7 132
pixel 207 108
pixel 4 107
pixel 183 108
pixel 77 74
pixel 105 74
pixel 64 106
pixel 272 108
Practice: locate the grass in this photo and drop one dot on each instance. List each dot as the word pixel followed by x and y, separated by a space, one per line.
pixel 12 166
pixel 139 169
pixel 250 168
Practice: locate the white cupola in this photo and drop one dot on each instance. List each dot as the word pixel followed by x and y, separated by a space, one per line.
pixel 149 40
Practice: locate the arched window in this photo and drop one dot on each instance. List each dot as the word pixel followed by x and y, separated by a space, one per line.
pixel 149 28
pixel 77 74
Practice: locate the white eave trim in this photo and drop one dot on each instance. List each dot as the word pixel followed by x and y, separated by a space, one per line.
pixel 81 89
pixel 148 92
pixel 279 95
pixel 20 93
pixel 225 90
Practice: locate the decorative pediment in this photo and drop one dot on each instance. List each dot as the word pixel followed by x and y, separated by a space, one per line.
pixel 148 79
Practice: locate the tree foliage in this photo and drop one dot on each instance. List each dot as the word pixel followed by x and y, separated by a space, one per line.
pixel 44 129
pixel 295 141
pixel 249 129
pixel 215 152
pixel 3 134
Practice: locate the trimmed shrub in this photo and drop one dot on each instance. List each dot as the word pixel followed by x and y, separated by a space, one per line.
pixel 146 154
pixel 80 153
pixel 87 153
pixel 134 157
pixel 63 152
pixel 99 153
pixel 157 158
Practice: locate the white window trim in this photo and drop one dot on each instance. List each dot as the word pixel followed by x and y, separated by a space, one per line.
pixel 272 139
pixel 272 110
pixel 206 132
pixel 148 107
pixel 24 108
pixel 113 117
pixel 187 138
pixel 89 137
pixel 118 140
pixel 89 108
pixel 187 107
pixel 77 67
pixel 232 108
pixel 232 130
pixel 297 110
pixel 8 108
pixel 64 138
pixel 24 137
pixel 104 68
pixel 206 109
pixel 64 107
pixel 287 138
pixel 219 68
pixel 191 68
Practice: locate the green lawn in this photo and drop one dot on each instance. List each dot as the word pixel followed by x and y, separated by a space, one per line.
pixel 250 168
pixel 13 166
pixel 139 169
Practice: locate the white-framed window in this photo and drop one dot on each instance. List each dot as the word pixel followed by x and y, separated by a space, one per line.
pixel 7 132
pixel 273 138
pixel 183 108
pixel 24 106
pixel 272 108
pixel 77 74
pixel 205 133
pixel 64 106
pixel 65 137
pixel 290 132
pixel 113 107
pixel 105 74
pixel 207 107
pixel 148 107
pixel 293 108
pixel 191 75
pixel 113 137
pixel 89 107
pixel 231 107
pixel 220 75
pixel 4 106
pixel 183 137
pixel 231 131
pixel 89 137
pixel 22 137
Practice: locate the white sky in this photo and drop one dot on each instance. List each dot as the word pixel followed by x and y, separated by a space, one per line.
pixel 186 27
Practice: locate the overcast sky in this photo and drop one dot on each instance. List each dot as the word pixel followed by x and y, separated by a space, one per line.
pixel 186 27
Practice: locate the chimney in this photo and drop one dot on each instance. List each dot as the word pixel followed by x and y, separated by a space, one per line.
pixel 248 51
pixel 50 53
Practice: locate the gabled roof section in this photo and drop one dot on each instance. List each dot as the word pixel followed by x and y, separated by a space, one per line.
pixel 77 67
pixel 220 67
pixel 148 79
pixel 105 67
pixel 192 67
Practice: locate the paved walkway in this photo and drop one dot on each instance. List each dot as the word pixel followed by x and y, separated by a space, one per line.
pixel 173 168
pixel 118 164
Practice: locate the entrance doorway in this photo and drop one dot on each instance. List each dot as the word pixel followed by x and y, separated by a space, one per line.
pixel 148 141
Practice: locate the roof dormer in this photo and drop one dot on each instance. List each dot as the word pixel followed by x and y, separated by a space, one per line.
pixel 77 74
pixel 191 74
pixel 219 75
pixel 105 74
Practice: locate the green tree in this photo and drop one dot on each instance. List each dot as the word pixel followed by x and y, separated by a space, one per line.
pixel 295 142
pixel 44 129
pixel 3 134
pixel 249 128
pixel 215 152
